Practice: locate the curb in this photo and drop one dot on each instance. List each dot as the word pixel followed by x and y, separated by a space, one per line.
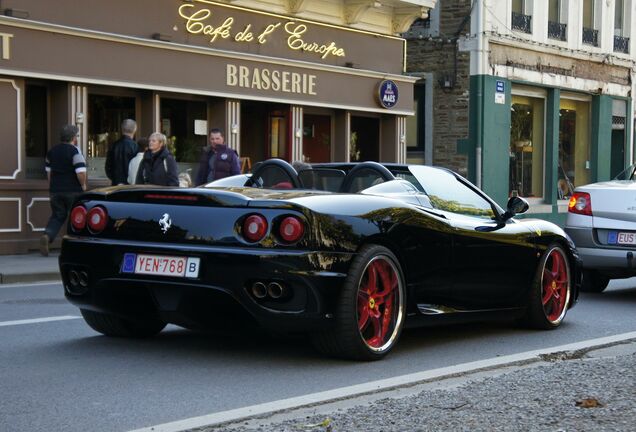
pixel 384 386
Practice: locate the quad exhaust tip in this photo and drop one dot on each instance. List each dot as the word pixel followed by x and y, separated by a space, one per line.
pixel 276 290
pixel 272 290
pixel 77 282
pixel 259 290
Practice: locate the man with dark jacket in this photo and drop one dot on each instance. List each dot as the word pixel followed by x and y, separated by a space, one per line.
pixel 217 160
pixel 66 171
pixel 121 152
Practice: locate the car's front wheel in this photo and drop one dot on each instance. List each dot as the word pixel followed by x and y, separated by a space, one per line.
pixel 111 325
pixel 594 282
pixel 371 309
pixel 551 290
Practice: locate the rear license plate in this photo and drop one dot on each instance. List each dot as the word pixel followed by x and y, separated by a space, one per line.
pixel 621 238
pixel 161 265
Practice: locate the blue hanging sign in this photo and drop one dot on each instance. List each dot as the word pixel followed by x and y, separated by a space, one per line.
pixel 388 94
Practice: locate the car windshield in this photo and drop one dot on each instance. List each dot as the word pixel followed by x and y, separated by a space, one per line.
pixel 446 192
pixel 627 174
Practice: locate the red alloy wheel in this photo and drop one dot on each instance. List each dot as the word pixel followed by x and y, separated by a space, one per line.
pixel 379 303
pixel 554 293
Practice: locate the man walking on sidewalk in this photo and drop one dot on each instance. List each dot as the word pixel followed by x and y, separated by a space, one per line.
pixel 66 172
pixel 122 151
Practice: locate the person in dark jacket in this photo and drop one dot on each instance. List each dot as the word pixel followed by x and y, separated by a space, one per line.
pixel 121 152
pixel 217 160
pixel 66 172
pixel 158 166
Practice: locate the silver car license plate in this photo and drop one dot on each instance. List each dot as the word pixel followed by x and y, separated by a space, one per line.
pixel 621 238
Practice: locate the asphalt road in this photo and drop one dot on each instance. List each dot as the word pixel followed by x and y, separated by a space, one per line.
pixel 60 375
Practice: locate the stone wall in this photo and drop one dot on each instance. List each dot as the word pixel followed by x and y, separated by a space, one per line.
pixel 438 54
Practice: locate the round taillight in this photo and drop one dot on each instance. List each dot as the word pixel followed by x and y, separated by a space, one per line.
pixel 254 228
pixel 78 217
pixel 97 219
pixel 581 203
pixel 291 229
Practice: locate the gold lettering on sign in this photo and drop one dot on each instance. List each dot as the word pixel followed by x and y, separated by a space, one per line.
pixel 197 24
pixel 6 45
pixel 245 35
pixel 269 29
pixel 270 79
pixel 295 42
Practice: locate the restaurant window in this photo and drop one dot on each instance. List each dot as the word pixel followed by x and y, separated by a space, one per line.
pixel 526 146
pixel 574 146
pixel 36 127
pixel 316 138
pixel 184 122
pixel 105 114
pixel 278 135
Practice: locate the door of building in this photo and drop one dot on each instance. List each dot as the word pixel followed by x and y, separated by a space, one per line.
pixel 317 138
pixel 365 139
pixel 617 158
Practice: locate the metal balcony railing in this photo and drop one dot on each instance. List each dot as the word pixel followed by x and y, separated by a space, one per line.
pixel 522 22
pixel 590 36
pixel 557 30
pixel 621 44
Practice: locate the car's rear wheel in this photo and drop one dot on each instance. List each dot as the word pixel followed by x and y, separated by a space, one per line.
pixel 594 282
pixel 371 309
pixel 551 290
pixel 111 325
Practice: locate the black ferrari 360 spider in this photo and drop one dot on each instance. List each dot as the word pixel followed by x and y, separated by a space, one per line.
pixel 347 253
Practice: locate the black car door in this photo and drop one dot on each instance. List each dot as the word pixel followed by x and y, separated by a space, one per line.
pixel 492 262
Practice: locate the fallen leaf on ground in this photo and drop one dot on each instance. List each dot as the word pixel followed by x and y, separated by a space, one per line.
pixel 325 423
pixel 589 403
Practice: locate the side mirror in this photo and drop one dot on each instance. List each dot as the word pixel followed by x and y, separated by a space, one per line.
pixel 516 205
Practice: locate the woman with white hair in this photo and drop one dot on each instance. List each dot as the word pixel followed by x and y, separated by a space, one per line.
pixel 158 166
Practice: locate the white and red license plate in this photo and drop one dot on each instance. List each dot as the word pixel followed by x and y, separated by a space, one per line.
pixel 161 265
pixel 621 238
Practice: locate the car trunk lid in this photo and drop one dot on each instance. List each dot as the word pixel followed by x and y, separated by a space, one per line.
pixel 612 201
pixel 204 216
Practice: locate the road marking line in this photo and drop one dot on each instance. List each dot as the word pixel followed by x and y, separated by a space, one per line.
pixel 375 386
pixel 31 284
pixel 38 320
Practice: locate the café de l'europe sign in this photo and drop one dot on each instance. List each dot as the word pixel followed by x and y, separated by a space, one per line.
pixel 215 26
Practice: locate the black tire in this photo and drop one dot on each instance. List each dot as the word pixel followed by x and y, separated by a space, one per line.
pixel 353 336
pixel 111 325
pixel 594 282
pixel 551 290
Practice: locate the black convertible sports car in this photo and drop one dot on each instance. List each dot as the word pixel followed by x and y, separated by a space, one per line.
pixel 346 253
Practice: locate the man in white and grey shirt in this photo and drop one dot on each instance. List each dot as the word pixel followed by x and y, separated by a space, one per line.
pixel 66 172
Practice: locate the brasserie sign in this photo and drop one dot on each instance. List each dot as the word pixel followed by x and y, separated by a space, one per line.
pixel 215 26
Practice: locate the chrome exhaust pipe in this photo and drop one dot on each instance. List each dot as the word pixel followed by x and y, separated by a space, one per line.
pixel 83 279
pixel 276 290
pixel 259 290
pixel 73 278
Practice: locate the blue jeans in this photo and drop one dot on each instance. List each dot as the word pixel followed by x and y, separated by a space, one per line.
pixel 61 204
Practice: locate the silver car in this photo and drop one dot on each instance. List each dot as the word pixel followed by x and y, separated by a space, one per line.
pixel 602 222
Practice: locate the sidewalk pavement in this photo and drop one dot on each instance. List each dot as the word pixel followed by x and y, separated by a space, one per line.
pixel 31 267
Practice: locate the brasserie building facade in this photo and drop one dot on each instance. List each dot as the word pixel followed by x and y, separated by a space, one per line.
pixel 298 80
